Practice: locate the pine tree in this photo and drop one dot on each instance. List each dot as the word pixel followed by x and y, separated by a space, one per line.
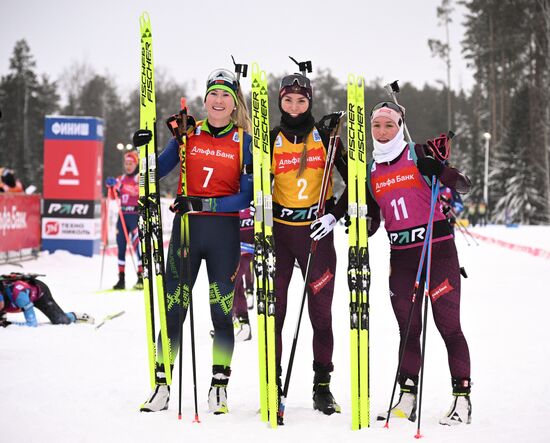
pixel 507 43
pixel 25 100
pixel 516 169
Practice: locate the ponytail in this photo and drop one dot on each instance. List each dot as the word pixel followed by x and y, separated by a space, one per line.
pixel 240 116
pixel 303 160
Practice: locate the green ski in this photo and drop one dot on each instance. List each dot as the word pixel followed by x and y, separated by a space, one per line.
pixel 264 256
pixel 109 317
pixel 358 256
pixel 364 267
pixel 149 218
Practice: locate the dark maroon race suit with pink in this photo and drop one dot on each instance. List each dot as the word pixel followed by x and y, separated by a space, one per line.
pixel 401 193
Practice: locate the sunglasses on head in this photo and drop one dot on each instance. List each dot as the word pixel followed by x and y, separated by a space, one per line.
pixel 222 76
pixel 390 105
pixel 296 80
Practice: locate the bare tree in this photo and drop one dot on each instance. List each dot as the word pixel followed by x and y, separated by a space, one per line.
pixel 72 81
pixel 443 51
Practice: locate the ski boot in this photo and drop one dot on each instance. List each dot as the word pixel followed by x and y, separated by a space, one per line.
pixel 217 395
pixel 406 405
pixel 322 397
pixel 139 283
pixel 81 317
pixel 461 409
pixel 158 399
pixel 243 332
pixel 121 283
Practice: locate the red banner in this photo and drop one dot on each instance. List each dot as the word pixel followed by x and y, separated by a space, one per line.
pixel 73 169
pixel 531 250
pixel 19 222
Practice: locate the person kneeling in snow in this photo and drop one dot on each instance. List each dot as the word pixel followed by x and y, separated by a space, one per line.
pixel 23 292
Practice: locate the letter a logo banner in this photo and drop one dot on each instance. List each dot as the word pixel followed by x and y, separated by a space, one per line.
pixel 73 158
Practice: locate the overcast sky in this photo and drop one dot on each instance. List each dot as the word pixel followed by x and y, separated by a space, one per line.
pixel 375 38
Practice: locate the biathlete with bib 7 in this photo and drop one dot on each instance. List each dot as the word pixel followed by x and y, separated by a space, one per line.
pixel 219 184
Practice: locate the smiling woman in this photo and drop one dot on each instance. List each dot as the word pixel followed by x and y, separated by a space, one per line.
pixel 423 254
pixel 218 183
pixel 300 151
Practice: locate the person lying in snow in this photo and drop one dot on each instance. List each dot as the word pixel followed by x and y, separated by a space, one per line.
pixel 24 292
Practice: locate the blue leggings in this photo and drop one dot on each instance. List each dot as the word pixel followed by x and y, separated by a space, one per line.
pixel 131 221
pixel 215 239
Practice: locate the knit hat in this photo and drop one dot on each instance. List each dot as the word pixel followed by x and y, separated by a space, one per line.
pixel 295 84
pixel 222 79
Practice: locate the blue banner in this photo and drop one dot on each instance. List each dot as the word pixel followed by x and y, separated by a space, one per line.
pixel 73 128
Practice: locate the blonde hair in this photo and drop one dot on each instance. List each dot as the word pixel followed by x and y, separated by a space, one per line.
pixel 240 115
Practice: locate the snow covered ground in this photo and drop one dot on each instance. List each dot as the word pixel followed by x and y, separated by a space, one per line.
pixel 75 383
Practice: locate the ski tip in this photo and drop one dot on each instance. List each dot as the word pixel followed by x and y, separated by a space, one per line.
pixel 144 21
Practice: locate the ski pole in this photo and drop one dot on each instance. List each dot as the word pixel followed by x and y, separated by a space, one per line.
pixel 442 155
pixel 180 317
pixel 413 300
pixel 425 319
pixel 129 244
pixel 392 89
pixel 105 238
pixel 178 126
pixel 331 154
pixel 464 227
pixel 186 259
pixel 461 229
pixel 192 326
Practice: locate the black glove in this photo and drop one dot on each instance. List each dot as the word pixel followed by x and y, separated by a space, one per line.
pixel 4 323
pixel 176 126
pixel 429 166
pixel 184 203
pixel 329 121
pixel 141 137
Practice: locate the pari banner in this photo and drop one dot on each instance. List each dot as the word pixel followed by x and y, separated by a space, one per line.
pixel 73 174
